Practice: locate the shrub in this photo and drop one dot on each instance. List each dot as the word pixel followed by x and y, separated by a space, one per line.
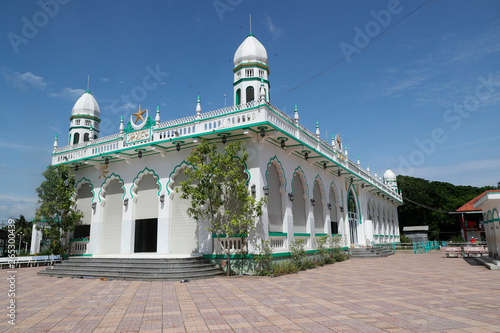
pixel 282 268
pixel 265 258
pixel 298 253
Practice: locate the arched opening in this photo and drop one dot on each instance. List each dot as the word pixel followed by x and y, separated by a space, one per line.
pixel 334 219
pixel 274 200
pixel 298 205
pixel 250 94
pixel 238 97
pixel 184 238
pixel 146 214
pixel 112 217
pixel 353 217
pixel 83 200
pixel 319 220
pixel 86 137
pixel 76 138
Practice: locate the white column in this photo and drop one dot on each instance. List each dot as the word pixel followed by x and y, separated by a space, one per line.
pixel 163 240
pixel 128 228
pixel 95 244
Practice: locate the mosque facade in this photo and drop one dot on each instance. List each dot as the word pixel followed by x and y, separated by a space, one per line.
pixel 126 182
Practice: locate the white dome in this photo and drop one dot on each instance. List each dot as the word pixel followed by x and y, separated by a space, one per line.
pixel 250 50
pixel 389 176
pixel 86 105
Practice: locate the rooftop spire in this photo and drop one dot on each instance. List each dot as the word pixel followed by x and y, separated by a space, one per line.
pixel 250 24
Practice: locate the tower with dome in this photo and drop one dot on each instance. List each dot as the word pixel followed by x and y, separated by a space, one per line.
pixel 126 182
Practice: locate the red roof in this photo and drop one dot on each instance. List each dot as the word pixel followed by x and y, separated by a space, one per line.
pixel 469 207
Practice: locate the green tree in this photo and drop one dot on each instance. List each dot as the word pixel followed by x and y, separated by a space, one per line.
pixel 24 227
pixel 218 191
pixel 56 206
pixel 428 203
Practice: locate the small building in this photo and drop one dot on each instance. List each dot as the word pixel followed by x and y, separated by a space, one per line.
pixel 489 203
pixel 417 233
pixel 471 221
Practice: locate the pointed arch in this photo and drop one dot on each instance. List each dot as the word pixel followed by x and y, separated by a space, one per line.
pixel 175 173
pixel 303 176
pixel 276 184
pixel 135 183
pixel 300 193
pixel 353 213
pixel 80 183
pixel 104 186
pixel 319 204
pixel 494 215
pixel 488 216
pixel 321 187
pixel 281 172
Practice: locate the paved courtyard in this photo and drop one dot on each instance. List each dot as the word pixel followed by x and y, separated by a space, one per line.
pixel 402 293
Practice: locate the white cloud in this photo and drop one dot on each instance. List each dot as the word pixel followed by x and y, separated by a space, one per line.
pixel 13 206
pixel 104 79
pixel 23 80
pixel 124 108
pixel 69 93
pixel 275 31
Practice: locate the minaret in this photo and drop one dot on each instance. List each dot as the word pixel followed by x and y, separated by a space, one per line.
pixel 317 130
pixel 84 119
pixel 251 72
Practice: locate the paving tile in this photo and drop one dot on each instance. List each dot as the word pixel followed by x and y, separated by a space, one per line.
pixel 401 293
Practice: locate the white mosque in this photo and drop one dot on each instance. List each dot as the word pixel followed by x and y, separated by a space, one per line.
pixel 126 182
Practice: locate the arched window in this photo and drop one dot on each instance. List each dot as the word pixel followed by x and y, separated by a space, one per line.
pixel 250 94
pixel 238 97
pixel 76 138
pixel 86 137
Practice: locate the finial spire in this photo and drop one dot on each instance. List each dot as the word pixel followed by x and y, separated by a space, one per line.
pixel 88 82
pixel 121 125
pixel 198 108
pixel 157 119
pixel 250 24
pixel 296 116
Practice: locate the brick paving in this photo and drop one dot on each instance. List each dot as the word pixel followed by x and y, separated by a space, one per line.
pixel 401 293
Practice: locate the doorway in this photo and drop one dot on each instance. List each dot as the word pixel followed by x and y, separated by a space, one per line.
pixel 146 235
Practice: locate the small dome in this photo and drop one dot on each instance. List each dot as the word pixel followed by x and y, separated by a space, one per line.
pixel 389 176
pixel 87 105
pixel 250 50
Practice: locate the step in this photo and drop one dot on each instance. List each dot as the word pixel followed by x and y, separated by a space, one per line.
pixel 147 269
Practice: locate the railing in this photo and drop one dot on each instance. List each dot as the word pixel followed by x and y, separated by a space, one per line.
pixel 422 247
pixel 278 243
pixel 79 247
pixel 217 119
pixel 234 244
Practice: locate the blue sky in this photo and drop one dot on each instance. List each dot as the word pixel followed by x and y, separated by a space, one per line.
pixel 423 99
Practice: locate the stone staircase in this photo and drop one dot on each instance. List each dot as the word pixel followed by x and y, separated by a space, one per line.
pixel 370 252
pixel 142 269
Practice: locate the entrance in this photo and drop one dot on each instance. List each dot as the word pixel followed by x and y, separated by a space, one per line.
pixel 146 235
